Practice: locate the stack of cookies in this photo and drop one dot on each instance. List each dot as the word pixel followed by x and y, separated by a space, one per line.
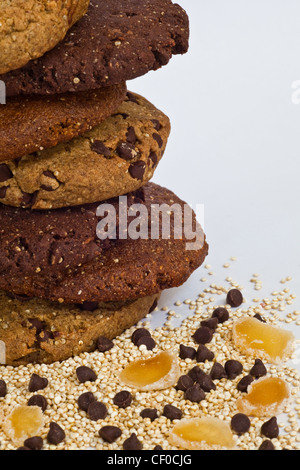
pixel 73 139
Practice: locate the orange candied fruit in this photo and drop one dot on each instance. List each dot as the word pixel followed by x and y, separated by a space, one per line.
pixel 156 373
pixel 268 342
pixel 23 422
pixel 207 433
pixel 266 397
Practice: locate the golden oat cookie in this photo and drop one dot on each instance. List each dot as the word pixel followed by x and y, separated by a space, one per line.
pixel 30 28
pixel 38 331
pixel 114 158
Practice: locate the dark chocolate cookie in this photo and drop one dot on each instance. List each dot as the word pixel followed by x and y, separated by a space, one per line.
pixel 117 40
pixel 47 242
pixel 125 269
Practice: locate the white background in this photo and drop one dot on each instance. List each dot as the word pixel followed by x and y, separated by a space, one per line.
pixel 235 141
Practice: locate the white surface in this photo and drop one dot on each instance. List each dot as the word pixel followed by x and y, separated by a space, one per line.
pixel 235 142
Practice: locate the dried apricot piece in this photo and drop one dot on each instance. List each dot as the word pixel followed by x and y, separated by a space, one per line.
pixel 265 341
pixel 267 396
pixel 156 373
pixel 23 422
pixel 207 433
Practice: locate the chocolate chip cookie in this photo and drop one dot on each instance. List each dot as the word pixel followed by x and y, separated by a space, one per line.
pixel 117 40
pixel 114 158
pixel 127 267
pixel 29 28
pixel 37 331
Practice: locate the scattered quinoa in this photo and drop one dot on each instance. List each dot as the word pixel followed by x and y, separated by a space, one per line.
pixel 81 432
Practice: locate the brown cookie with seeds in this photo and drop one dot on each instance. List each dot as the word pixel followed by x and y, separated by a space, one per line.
pixel 29 28
pixel 47 242
pixel 127 267
pixel 30 124
pixel 117 40
pixel 37 331
pixel 116 157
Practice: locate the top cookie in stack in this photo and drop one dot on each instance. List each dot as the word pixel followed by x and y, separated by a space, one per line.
pixel 71 138
pixel 117 40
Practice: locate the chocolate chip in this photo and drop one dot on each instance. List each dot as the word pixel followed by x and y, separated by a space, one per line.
pixel 3 388
pixel 127 151
pixel 47 188
pixel 158 139
pixel 204 354
pixel 88 306
pixel 211 323
pixel 196 373
pixel 85 374
pixel 234 298
pixel 233 368
pixel 259 369
pixel 96 410
pixel 23 448
pixel 150 413
pixel 132 443
pixel 85 399
pixel 266 445
pixel 187 352
pixel 203 335
pixel 217 371
pixel 194 393
pixel 244 383
pixel 131 136
pixel 49 174
pixel 137 334
pixel 157 448
pixel 104 344
pixel 137 170
pixel 110 433
pixel 34 443
pixel 38 400
pixel 37 383
pixel 147 341
pixel 153 307
pixel 98 147
pixel 28 199
pixel 206 383
pixel 131 97
pixel 153 157
pixel 184 382
pixel 5 173
pixel 240 423
pixel 270 428
pixel 259 317
pixel 156 124
pixel 56 434
pixel 123 399
pixel 3 191
pixel 44 336
pixel 221 314
pixel 37 324
pixel 172 412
